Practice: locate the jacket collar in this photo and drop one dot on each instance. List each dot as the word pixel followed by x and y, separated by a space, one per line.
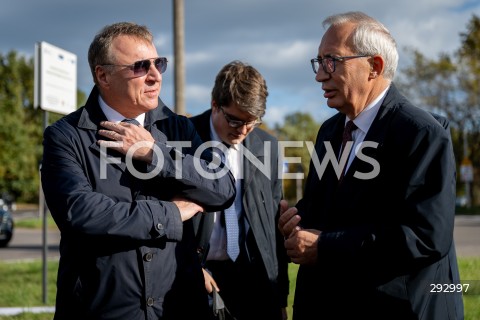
pixel 92 114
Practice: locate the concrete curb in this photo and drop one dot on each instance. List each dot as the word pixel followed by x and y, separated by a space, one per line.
pixel 18 310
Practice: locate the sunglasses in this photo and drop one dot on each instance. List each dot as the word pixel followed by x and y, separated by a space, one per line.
pixel 140 68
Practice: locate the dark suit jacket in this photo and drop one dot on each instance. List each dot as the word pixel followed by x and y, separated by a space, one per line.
pixel 261 196
pixel 121 245
pixel 385 240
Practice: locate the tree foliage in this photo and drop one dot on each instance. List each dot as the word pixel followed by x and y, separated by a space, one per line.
pixel 450 85
pixel 22 128
pixel 469 76
pixel 299 127
pixel 19 156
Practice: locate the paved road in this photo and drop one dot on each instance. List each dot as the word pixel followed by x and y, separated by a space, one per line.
pixel 27 243
pixel 467 236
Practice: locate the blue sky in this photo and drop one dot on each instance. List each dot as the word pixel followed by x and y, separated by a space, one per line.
pixel 278 37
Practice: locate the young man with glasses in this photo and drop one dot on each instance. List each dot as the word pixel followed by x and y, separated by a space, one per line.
pixel 249 268
pixel 375 240
pixel 127 246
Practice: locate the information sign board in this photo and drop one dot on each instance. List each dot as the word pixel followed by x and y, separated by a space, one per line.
pixel 55 79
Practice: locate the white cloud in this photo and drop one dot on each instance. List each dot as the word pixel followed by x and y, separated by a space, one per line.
pixel 278 37
pixel 280 54
pixel 199 93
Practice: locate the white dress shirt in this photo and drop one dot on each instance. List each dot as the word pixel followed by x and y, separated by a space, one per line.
pixel 234 161
pixel 363 122
pixel 113 115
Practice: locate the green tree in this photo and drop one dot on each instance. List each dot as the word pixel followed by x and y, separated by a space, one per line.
pixel 18 159
pixel 432 84
pixel 450 85
pixel 469 78
pixel 21 132
pixel 299 127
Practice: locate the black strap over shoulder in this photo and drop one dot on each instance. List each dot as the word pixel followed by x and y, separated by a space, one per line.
pixel 202 236
pixel 220 311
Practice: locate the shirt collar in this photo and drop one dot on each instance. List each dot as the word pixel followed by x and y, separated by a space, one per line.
pixel 364 120
pixel 114 116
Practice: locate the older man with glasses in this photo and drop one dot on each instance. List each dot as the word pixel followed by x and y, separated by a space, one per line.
pixel 373 233
pixel 110 178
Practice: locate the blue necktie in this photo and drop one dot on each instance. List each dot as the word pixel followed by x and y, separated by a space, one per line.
pixel 132 121
pixel 231 224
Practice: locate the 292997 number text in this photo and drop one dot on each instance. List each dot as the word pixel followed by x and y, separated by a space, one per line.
pixel 448 287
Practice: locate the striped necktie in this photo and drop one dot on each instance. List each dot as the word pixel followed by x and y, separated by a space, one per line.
pixel 347 136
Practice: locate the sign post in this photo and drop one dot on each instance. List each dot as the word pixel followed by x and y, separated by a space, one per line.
pixel 466 175
pixel 55 90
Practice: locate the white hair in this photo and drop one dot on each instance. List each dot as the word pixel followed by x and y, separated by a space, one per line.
pixel 370 37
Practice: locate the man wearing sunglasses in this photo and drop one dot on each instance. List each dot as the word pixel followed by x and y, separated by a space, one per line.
pixel 375 238
pixel 127 243
pixel 241 247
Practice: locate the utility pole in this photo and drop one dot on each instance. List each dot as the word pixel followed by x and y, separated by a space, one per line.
pixel 179 50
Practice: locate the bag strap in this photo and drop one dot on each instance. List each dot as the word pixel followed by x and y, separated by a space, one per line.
pixel 220 311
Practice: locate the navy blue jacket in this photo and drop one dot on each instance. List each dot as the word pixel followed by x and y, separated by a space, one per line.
pixel 125 253
pixel 386 240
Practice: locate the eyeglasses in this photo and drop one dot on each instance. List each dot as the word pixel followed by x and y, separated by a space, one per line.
pixel 238 123
pixel 140 68
pixel 328 63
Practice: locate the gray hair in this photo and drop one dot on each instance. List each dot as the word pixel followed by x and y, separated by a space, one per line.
pixel 370 37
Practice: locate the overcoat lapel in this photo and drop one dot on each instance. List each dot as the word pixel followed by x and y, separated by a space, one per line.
pixel 256 147
pixel 376 134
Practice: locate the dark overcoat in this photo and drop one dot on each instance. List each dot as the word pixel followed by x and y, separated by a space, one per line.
pixel 124 251
pixel 387 228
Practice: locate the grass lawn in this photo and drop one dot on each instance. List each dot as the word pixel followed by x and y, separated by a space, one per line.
pixel 469 273
pixel 21 286
pixel 35 223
